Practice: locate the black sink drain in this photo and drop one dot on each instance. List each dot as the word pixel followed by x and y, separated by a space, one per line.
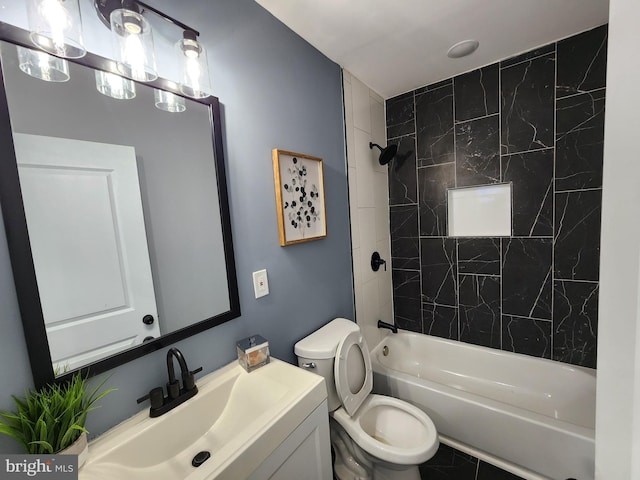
pixel 200 458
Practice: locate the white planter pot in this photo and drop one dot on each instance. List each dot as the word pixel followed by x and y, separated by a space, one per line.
pixel 80 448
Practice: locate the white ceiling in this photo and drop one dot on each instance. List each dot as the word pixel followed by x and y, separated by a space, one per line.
pixel 395 46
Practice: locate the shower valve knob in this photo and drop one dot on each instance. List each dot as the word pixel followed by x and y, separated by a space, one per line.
pixel 377 262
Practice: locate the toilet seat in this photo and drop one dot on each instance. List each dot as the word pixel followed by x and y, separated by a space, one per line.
pixel 386 428
pixel 391 430
pixel 374 436
pixel 352 371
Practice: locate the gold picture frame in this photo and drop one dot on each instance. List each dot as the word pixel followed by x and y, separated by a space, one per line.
pixel 300 201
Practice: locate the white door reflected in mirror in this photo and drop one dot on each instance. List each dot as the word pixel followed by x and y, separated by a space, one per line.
pixel 84 214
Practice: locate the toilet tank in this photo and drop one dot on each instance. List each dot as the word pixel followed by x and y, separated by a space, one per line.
pixel 320 348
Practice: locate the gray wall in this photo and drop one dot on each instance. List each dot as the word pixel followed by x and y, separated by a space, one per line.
pixel 276 92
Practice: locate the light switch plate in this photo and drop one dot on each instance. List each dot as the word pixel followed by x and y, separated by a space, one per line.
pixel 260 283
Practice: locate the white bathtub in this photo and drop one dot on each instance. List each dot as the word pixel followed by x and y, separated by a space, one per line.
pixel 530 416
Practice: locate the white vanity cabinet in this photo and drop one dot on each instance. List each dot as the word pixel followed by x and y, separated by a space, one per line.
pixel 271 423
pixel 305 454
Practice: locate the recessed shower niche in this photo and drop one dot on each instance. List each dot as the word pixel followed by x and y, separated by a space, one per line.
pixel 483 211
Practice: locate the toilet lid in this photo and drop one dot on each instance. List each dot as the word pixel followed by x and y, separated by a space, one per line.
pixel 352 370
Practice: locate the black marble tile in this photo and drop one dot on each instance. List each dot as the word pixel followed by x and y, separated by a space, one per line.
pixel 438 266
pixel 526 277
pixel 479 298
pixel 531 174
pixel 551 141
pixel 440 321
pixel 405 246
pixel 434 86
pixel 476 93
pixel 400 115
pixel 433 183
pixel 528 104
pixel 403 187
pixel 479 255
pixel 577 227
pixel 434 126
pixel 582 62
pixel 486 471
pixel 538 52
pixel 580 141
pixel 406 300
pixel 527 336
pixel 449 464
pixel 575 322
pixel 478 151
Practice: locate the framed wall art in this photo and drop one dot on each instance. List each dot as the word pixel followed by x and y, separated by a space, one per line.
pixel 299 185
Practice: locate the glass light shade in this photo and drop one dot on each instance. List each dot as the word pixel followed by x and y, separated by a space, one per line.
pixel 169 102
pixel 195 68
pixel 115 86
pixel 56 27
pixel 133 42
pixel 43 66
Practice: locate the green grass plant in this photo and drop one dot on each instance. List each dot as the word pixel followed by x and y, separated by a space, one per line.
pixel 49 420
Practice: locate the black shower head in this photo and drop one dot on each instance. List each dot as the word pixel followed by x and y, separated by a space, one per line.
pixel 386 154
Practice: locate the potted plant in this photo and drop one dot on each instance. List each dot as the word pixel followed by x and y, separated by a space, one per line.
pixel 52 419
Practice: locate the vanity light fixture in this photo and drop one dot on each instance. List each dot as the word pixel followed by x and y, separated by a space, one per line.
pixel 56 27
pixel 43 66
pixel 169 102
pixel 115 86
pixel 195 68
pixel 133 42
pixel 133 39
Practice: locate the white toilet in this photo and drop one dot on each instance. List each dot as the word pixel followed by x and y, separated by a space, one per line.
pixel 373 436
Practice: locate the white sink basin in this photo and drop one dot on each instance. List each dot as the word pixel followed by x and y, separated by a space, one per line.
pixel 239 417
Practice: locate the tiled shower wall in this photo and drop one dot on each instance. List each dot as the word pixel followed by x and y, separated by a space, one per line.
pixel 537 121
pixel 368 205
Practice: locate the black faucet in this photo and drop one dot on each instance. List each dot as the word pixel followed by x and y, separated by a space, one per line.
pixel 382 324
pixel 175 395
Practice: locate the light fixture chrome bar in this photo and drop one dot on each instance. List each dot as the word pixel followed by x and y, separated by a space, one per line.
pixel 105 7
pixel 169 19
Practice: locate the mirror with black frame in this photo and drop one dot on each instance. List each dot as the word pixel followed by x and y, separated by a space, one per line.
pixel 115 206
